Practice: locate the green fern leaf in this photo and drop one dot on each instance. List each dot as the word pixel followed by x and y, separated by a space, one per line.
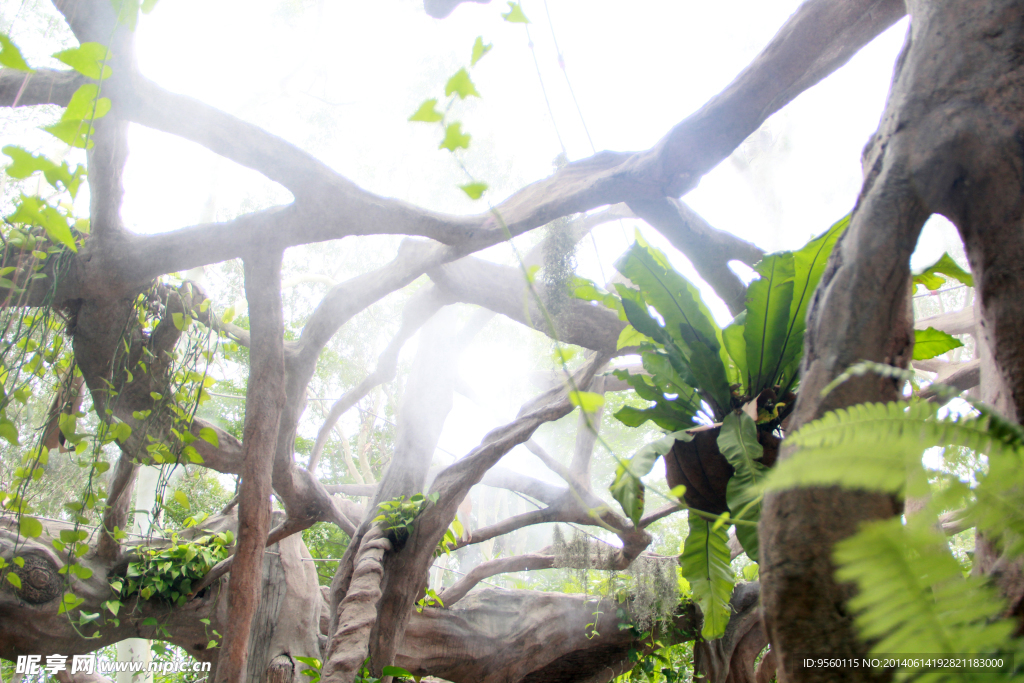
pixel 911 596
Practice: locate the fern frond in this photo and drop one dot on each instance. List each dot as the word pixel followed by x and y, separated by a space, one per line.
pixel 875 445
pixel 912 598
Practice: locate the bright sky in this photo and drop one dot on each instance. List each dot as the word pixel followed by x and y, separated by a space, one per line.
pixel 340 79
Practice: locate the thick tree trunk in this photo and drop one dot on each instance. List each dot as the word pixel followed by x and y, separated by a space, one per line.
pixel 950 143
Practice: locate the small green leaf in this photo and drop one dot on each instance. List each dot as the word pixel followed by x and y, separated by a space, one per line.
pixel 461 84
pixel 474 190
pixel 10 55
pixel 14 580
pixel 931 342
pixel 427 112
pixel 182 500
pixel 627 488
pixel 587 400
pixel 30 527
pixel 479 50
pixel 515 14
pixel 229 314
pixel 148 5
pixel 454 138
pixel 179 320
pixel 88 59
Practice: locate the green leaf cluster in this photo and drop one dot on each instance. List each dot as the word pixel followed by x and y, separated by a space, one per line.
pixel 168 574
pixel 398 516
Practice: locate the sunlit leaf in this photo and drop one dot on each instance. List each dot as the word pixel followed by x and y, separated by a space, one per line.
pixel 461 84
pixel 88 59
pixel 10 55
pixel 454 138
pixel 474 190
pixel 931 342
pixel 515 14
pixel 930 279
pixel 428 112
pixel 24 163
pixel 479 50
pixel 30 527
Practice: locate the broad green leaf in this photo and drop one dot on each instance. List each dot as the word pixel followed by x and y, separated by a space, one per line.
pixel 14 579
pixel 9 431
pixel 35 211
pixel 75 133
pixel 588 401
pixel 24 163
pixel 629 337
pixel 454 138
pixel 515 14
pixel 182 500
pixel 736 346
pixel 768 308
pixel 931 342
pixel 428 112
pixel 660 414
pixel 209 435
pixel 688 322
pixel 474 190
pixel 737 441
pixel 627 488
pixel 88 59
pixel 930 279
pixel 705 563
pixel 809 263
pixel 30 527
pixel 479 50
pixel 10 55
pixel 70 180
pixel 395 671
pixel 461 84
pixel 86 104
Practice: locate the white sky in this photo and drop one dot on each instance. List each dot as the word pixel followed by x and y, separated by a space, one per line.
pixel 341 78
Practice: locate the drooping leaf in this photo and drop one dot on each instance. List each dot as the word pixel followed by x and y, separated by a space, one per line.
pixel 88 59
pixel 737 441
pixel 705 564
pixel 929 277
pixel 474 190
pixel 428 112
pixel 70 180
pixel 454 138
pixel 10 55
pixel 931 342
pixel 627 488
pixel 24 163
pixel 769 300
pixel 461 84
pixel 808 266
pixel 479 50
pixel 515 14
